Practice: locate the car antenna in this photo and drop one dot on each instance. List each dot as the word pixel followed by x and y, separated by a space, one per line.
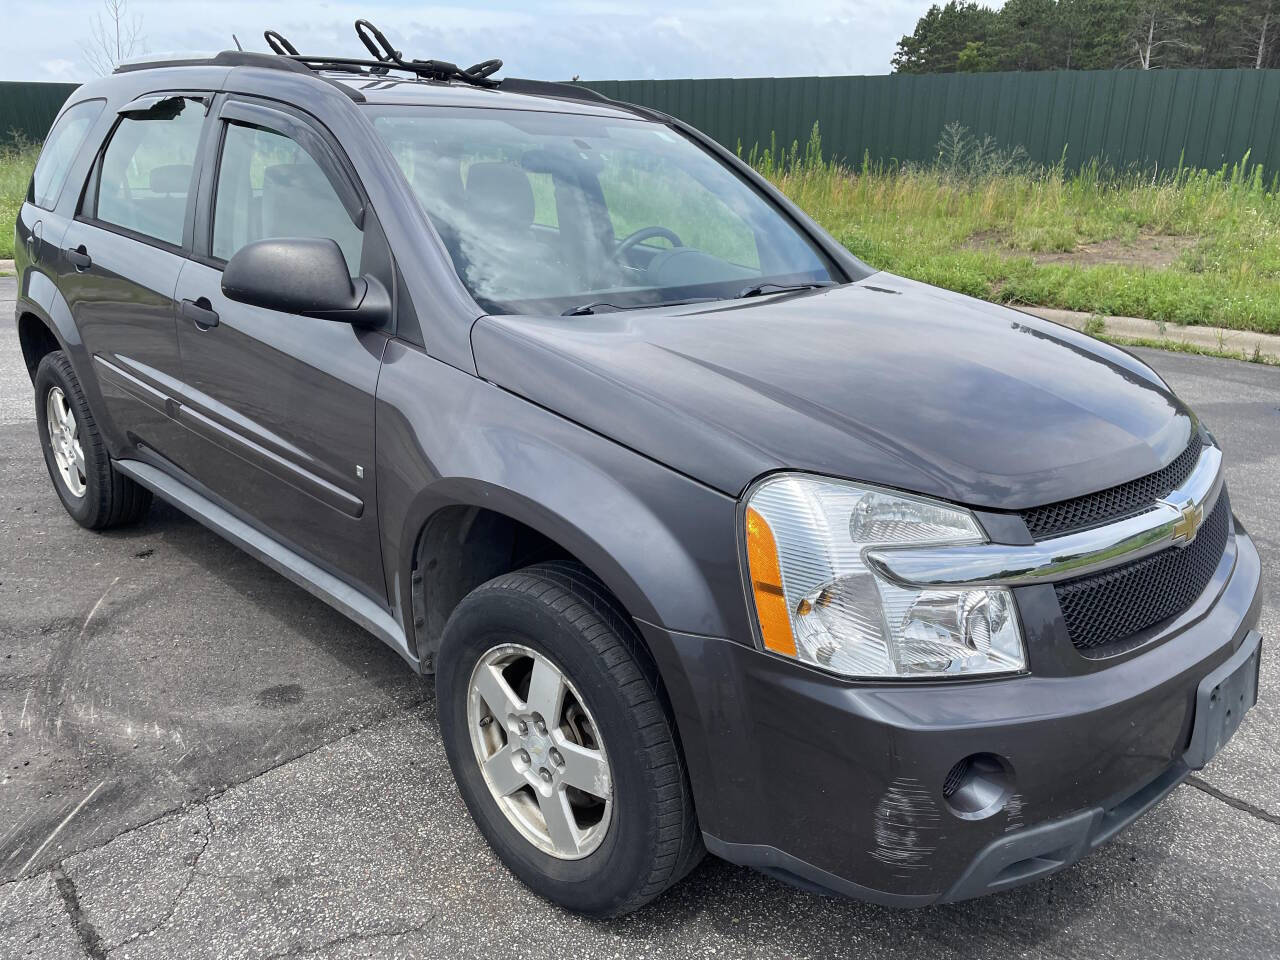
pixel 237 42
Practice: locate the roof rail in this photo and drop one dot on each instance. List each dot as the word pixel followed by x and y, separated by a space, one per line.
pixel 385 59
pixel 241 58
pixel 550 88
pixel 227 58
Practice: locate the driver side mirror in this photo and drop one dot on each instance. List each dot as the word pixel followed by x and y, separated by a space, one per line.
pixel 306 276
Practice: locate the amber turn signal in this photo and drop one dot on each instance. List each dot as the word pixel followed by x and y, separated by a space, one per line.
pixel 766 586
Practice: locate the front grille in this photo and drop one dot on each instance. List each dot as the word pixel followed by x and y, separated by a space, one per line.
pixel 1106 608
pixel 1114 503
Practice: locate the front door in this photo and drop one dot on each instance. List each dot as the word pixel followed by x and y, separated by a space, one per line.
pixel 280 407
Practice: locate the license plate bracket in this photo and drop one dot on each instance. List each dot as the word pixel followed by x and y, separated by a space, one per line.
pixel 1222 700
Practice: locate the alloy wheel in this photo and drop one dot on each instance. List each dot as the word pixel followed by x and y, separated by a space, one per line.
pixel 64 441
pixel 540 751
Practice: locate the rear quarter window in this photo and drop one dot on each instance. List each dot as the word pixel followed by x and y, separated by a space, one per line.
pixel 60 150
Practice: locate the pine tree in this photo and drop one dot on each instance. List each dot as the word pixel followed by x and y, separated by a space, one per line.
pixel 965 35
pixel 942 35
pixel 1025 36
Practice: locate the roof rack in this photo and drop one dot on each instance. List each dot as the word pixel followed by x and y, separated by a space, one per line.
pixel 385 59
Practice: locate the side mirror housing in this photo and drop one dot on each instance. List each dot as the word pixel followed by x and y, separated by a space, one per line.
pixel 306 276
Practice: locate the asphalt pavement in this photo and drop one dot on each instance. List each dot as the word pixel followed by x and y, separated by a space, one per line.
pixel 198 759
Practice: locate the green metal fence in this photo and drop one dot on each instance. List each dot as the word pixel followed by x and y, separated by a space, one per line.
pixel 27 109
pixel 1204 118
pixel 1124 117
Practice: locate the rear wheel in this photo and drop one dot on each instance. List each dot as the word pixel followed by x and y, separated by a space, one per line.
pixel 561 742
pixel 90 489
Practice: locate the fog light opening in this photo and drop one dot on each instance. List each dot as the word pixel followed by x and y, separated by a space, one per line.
pixel 978 786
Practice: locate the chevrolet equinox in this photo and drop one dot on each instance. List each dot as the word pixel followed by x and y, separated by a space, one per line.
pixel 714 538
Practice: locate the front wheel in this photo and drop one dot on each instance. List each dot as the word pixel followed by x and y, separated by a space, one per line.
pixel 561 742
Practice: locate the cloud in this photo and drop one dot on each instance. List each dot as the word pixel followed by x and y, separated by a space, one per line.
pixel 59 70
pixel 596 39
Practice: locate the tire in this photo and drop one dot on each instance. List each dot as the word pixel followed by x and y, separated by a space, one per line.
pixel 92 492
pixel 646 838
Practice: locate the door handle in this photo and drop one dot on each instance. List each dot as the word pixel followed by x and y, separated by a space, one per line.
pixel 200 312
pixel 79 258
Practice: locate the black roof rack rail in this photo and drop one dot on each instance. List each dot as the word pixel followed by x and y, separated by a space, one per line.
pixel 227 58
pixel 551 88
pixel 242 58
pixel 386 58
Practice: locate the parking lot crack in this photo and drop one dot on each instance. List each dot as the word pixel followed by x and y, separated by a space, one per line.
pixel 84 929
pixel 366 936
pixel 206 839
pixel 1244 806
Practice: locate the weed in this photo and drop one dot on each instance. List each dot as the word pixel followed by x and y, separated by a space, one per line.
pixel 977 225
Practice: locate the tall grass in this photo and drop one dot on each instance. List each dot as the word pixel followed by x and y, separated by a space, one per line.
pixel 17 160
pixel 977 234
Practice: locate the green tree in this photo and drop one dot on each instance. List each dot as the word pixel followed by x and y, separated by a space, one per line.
pixel 1026 36
pixel 1215 26
pixel 963 35
pixel 1092 33
pixel 942 35
pixel 973 58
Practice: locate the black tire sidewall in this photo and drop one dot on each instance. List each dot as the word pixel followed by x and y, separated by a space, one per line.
pixel 611 874
pixel 54 371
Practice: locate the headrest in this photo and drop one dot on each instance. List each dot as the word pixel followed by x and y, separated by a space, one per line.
pixel 171 178
pixel 501 192
pixel 296 175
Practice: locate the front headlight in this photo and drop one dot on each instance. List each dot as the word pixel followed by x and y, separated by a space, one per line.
pixel 817 601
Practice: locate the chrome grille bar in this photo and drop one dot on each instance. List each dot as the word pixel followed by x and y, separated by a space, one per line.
pixel 1173 520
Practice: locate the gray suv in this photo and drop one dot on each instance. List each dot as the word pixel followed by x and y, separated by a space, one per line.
pixel 714 537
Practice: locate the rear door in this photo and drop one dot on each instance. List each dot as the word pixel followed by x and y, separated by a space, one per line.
pixel 280 407
pixel 40 226
pixel 120 259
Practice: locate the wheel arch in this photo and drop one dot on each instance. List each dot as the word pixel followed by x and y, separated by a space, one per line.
pixel 37 338
pixel 463 540
pixel 45 322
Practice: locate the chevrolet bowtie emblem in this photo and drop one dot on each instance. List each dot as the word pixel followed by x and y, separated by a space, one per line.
pixel 1184 531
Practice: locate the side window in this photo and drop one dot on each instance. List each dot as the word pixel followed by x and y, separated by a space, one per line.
pixel 147 170
pixel 60 149
pixel 269 186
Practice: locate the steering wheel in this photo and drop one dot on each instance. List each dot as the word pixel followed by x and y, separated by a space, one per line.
pixel 641 235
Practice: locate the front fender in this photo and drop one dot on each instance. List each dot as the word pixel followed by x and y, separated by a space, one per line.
pixel 664 544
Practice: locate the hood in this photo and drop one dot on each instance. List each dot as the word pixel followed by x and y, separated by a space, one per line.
pixel 886 380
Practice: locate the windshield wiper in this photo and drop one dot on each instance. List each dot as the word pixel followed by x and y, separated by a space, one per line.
pixel 760 289
pixel 594 306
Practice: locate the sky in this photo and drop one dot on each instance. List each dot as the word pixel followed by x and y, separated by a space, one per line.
pixel 593 39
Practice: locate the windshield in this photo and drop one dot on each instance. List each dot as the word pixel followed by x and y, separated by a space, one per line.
pixel 552 213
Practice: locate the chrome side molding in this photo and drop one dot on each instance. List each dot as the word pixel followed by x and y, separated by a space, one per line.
pixel 1172 521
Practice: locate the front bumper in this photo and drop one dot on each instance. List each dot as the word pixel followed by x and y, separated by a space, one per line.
pixel 839 786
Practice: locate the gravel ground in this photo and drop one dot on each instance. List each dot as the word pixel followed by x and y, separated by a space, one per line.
pixel 201 760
